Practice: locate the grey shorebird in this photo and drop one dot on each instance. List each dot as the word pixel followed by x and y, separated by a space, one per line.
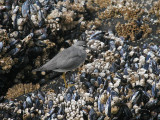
pixel 67 60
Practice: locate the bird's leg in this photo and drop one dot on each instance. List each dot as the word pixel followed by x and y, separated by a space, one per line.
pixel 65 82
pixel 64 78
pixel 72 76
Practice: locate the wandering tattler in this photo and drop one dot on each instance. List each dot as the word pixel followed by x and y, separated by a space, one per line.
pixel 67 60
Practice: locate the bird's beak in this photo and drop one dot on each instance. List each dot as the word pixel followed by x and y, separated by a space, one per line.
pixel 85 46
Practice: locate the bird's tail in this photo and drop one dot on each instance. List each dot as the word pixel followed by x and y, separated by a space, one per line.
pixel 38 69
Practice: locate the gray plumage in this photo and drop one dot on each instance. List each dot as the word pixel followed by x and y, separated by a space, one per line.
pixel 66 60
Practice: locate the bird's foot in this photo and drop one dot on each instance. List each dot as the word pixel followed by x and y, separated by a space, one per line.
pixel 70 85
pixel 65 82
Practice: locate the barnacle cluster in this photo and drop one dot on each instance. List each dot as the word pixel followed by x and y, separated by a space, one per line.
pixel 102 3
pixel 109 13
pixel 131 13
pixel 20 89
pixel 133 30
pixel 155 8
pixel 117 9
pixel 6 63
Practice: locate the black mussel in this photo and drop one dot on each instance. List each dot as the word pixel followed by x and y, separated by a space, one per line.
pixel 54 115
pixel 33 52
pixel 83 77
pixel 108 106
pixel 98 36
pixel 68 97
pixel 154 90
pixel 99 80
pixel 112 45
pixel 93 80
pixel 126 71
pixel 14 51
pixel 41 18
pixel 91 89
pixel 13 42
pixel 52 110
pixel 92 114
pixel 29 101
pixel 2 99
pixel 22 61
pixel 145 45
pixel 87 84
pixel 50 104
pixel 8 4
pixel 151 104
pixel 148 57
pixel 61 109
pixel 25 105
pixel 113 68
pixel 140 96
pixel 1 46
pixel 37 102
pixel 33 9
pixel 101 117
pixel 38 3
pixel 144 114
pixel 75 96
pixel 43 36
pixel 146 66
pixel 39 43
pixel 154 48
pixel 71 89
pixel 135 66
pixel 101 107
pixel 41 95
pixel 25 9
pixel 124 113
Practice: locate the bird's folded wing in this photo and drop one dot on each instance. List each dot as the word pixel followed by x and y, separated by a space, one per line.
pixel 61 60
pixel 71 63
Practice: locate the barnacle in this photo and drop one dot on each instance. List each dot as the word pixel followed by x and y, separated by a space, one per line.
pixel 4 38
pixel 110 9
pixel 109 13
pixel 54 14
pixel 114 109
pixel 131 29
pixel 91 6
pixel 78 7
pixel 68 17
pixel 155 8
pixel 49 43
pixel 131 13
pixel 3 35
pixel 102 3
pixel 97 23
pixel 20 89
pixel 37 61
pixel 158 31
pixel 6 63
pixel 103 98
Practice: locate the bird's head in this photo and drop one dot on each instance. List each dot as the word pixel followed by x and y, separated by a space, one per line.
pixel 81 44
